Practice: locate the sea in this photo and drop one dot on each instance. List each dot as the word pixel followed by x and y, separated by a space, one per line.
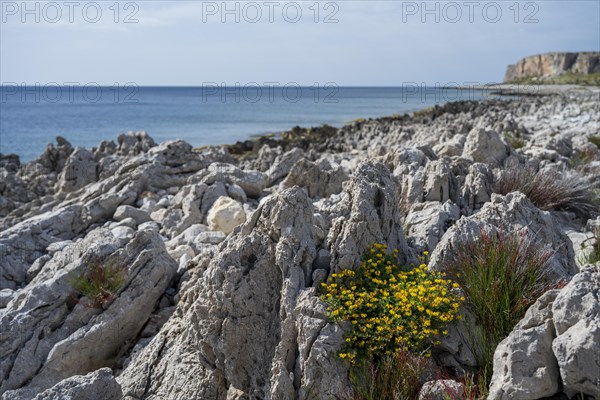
pixel 32 116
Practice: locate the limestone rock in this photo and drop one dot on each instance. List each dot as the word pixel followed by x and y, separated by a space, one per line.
pixel 427 222
pixel 134 143
pixel 477 188
pixel 79 170
pixel 225 215
pixel 576 313
pixel 319 180
pixel 513 211
pixel 554 349
pixel 22 244
pixel 97 385
pixel 282 164
pixel 370 216
pixel 524 366
pixel 140 216
pixel 253 182
pixel 240 330
pixel 485 146
pixel 48 335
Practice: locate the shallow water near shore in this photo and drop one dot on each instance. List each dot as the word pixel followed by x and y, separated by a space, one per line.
pixel 32 117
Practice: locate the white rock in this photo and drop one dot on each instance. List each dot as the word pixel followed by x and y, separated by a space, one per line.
pixel 6 295
pixel 524 366
pixel 123 232
pixel 485 146
pixel 211 237
pixel 123 212
pixel 225 215
pixel 442 389
pixel 179 251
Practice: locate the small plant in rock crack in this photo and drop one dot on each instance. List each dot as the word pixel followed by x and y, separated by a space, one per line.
pixel 98 282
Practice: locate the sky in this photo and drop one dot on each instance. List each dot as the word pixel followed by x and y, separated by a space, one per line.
pixel 345 42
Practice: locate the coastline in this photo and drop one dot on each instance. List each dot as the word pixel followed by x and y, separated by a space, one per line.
pixel 226 246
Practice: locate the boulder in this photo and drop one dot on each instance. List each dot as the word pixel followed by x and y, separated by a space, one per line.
pixel 225 215
pixel 576 315
pixel 134 143
pixel 427 222
pixel 22 244
pixel 524 366
pixel 485 146
pixel 253 182
pixel 477 188
pixel 511 212
pixel 319 179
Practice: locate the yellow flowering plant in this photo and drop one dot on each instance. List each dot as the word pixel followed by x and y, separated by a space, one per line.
pixel 391 308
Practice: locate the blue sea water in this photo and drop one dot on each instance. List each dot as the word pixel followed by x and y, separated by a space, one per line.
pixel 31 117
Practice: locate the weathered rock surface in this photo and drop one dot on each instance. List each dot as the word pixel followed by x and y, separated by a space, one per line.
pixel 46 337
pixel 319 179
pixel 513 211
pixel 441 389
pixel 371 216
pixel 223 305
pixel 251 326
pixel 554 348
pixel 97 385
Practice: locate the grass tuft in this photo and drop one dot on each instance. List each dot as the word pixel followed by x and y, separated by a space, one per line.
pixel 98 282
pixel 502 274
pixel 548 189
pixel 515 140
pixel 396 377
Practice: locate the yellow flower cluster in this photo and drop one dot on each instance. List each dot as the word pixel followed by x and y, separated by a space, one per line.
pixel 390 307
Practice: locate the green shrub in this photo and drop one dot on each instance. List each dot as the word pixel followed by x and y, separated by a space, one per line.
pixel 502 274
pixel 396 314
pixel 515 140
pixel 98 282
pixel 548 189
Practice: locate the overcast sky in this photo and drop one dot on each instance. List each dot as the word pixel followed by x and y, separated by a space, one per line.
pixel 362 43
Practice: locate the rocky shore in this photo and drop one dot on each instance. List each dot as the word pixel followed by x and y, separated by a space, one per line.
pixel 224 249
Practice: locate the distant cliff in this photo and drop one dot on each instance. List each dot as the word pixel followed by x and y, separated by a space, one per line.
pixel 554 64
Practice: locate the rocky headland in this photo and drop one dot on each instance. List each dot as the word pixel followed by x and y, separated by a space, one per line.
pixel 547 66
pixel 225 248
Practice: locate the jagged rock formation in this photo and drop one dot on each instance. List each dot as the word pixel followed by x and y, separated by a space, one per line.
pixel 554 64
pixel 554 349
pixel 225 250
